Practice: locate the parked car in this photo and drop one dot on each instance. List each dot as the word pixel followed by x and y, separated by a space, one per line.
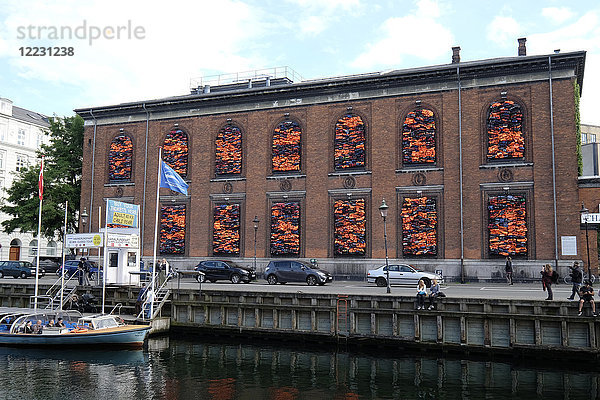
pixel 70 268
pixel 215 270
pixel 19 269
pixel 49 264
pixel 284 271
pixel 401 274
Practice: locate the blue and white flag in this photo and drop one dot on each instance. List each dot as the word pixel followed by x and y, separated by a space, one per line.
pixel 172 180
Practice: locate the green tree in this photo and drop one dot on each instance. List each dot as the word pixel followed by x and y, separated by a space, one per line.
pixel 62 182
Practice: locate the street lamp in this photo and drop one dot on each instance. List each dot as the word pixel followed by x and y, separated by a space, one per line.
pixel 84 219
pixel 383 209
pixel 585 213
pixel 255 221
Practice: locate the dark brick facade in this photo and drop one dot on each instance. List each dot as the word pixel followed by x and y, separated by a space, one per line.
pixel 382 102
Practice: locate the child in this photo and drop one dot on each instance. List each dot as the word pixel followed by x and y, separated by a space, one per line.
pixel 421 294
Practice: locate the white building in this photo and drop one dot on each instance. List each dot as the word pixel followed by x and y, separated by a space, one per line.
pixel 21 134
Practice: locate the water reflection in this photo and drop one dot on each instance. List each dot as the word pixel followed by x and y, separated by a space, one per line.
pixel 179 369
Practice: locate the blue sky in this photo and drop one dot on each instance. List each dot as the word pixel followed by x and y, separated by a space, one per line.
pixel 180 40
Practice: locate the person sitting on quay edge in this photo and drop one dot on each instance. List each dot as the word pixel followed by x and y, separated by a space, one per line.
pixel 587 294
pixel 421 294
pixel 576 278
pixel 434 293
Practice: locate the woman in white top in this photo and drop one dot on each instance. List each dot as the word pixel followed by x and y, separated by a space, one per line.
pixel 421 294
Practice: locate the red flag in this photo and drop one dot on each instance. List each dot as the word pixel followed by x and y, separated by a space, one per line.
pixel 41 180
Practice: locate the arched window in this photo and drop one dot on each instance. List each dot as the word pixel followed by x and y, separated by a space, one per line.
pixel 505 131
pixel 349 227
pixel 507 225
pixel 226 229
pixel 286 147
pixel 51 249
pixel 285 228
pixel 228 152
pixel 172 229
pixel 120 158
pixel 419 226
pixel 349 146
pixel 33 247
pixel 175 151
pixel 418 137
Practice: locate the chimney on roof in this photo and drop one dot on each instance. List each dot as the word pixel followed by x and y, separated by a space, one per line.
pixel 455 54
pixel 522 49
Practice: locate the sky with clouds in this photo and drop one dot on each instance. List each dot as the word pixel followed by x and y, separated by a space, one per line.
pixel 180 40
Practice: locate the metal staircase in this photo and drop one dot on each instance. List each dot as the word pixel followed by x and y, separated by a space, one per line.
pixel 51 299
pixel 162 295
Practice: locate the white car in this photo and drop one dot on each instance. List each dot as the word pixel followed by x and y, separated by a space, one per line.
pixel 401 274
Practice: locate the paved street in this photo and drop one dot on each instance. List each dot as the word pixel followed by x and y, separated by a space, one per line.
pixel 532 291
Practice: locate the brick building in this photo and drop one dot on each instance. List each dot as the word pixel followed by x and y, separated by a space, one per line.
pixel 465 154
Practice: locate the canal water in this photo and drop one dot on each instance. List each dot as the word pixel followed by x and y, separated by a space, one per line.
pixel 201 369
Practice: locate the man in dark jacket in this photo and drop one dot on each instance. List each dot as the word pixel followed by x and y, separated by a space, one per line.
pixel 576 278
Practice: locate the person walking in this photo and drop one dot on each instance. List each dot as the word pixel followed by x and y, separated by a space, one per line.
pixel 149 303
pixel 576 278
pixel 140 299
pixel 547 279
pixel 509 270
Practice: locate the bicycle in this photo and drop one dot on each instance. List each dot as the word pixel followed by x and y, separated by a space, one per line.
pixel 568 280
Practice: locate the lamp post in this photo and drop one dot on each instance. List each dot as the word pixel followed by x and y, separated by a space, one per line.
pixel 585 213
pixel 84 219
pixel 383 209
pixel 255 221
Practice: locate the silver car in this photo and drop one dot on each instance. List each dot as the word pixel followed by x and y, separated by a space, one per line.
pixel 401 274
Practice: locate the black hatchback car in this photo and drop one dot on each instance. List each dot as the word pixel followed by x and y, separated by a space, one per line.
pixel 284 271
pixel 216 270
pixel 18 269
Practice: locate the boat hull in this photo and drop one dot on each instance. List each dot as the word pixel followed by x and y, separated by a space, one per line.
pixel 131 336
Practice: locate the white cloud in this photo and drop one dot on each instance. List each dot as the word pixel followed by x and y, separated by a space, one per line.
pixel 315 16
pixel 416 35
pixel 558 15
pixel 503 31
pixel 583 34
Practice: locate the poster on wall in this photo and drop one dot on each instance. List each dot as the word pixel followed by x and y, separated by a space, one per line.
pixel 568 245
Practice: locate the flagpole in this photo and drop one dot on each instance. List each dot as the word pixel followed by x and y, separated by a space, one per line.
pixel 62 275
pixel 37 264
pixel 154 266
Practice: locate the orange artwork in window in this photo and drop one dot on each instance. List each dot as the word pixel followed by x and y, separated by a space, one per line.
pixel 120 158
pixel 349 227
pixel 228 155
pixel 349 143
pixel 419 226
pixel 226 229
pixel 175 151
pixel 172 229
pixel 418 137
pixel 285 228
pixel 505 133
pixel 286 147
pixel 507 226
